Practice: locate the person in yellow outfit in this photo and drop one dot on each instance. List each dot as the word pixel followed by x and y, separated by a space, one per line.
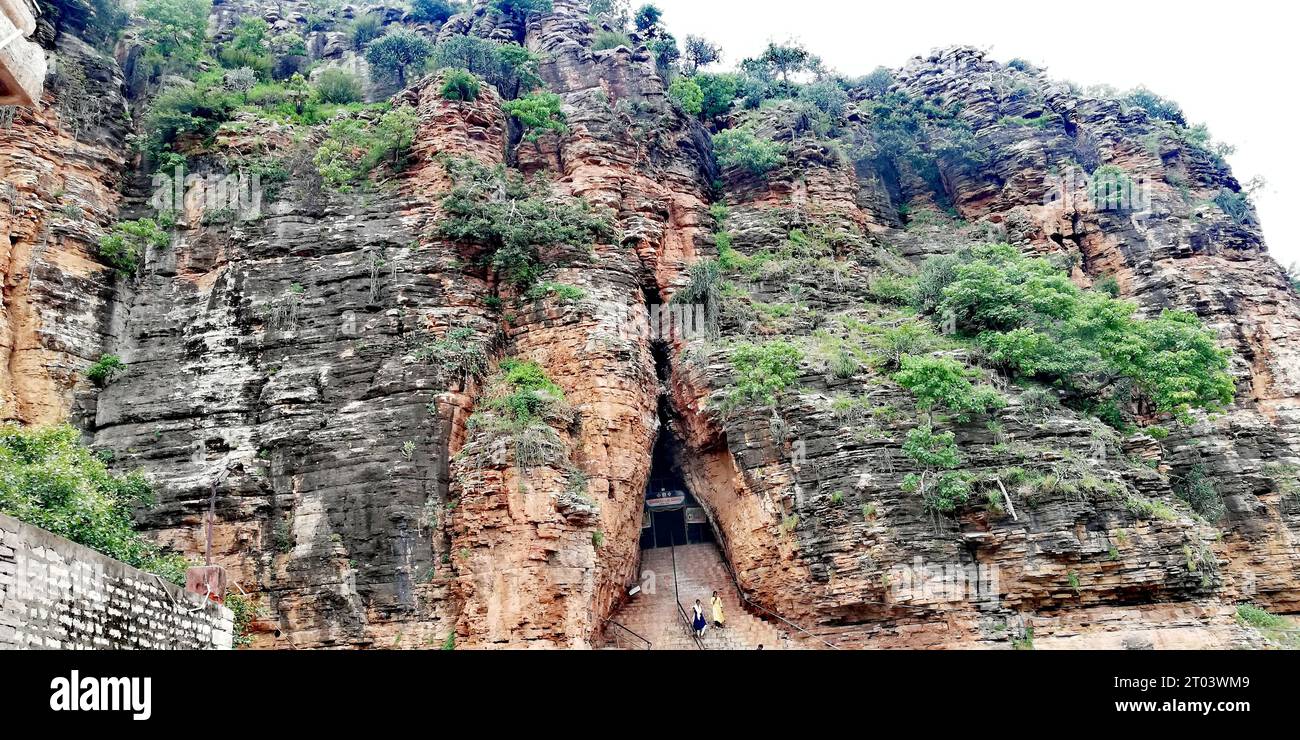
pixel 718 617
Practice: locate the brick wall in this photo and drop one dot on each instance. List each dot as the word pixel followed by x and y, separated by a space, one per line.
pixel 55 593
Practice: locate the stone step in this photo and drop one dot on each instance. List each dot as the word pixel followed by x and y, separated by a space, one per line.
pixel 653 613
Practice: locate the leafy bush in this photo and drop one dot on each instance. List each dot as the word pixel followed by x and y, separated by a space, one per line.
pixel 1236 205
pixel 904 339
pixel 397 52
pixel 704 288
pixel 244 612
pixel 509 67
pixel 173 32
pixel 686 93
pixel 1155 106
pixel 1198 490
pixel 827 97
pixel 339 86
pixel 365 28
pixel 102 371
pixel 664 49
pixel 458 356
pixel 514 219
pixel 877 82
pixel 434 11
pixel 647 16
pixel 932 449
pixel 610 40
pixel 949 492
pixel 1032 320
pixel 563 293
pixel 353 148
pixel 763 371
pixel 249 48
pixel 459 84
pixel 719 93
pixel 1261 618
pixel 530 393
pixel 50 480
pixel 123 246
pixel 942 381
pixel 740 148
pixel 919 134
pixel 521 8
pixel 194 111
pixel 537 113
pixel 890 289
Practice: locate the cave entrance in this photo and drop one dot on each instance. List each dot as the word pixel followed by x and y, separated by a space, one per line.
pixel 672 515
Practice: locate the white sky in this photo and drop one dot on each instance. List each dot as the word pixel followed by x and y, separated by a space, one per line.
pixel 1229 65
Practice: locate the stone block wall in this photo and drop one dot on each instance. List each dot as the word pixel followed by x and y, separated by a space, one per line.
pixel 56 594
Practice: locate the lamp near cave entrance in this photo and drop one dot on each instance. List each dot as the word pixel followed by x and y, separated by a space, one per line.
pixel 22 63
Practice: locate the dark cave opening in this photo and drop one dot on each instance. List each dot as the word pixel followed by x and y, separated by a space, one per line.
pixel 672 515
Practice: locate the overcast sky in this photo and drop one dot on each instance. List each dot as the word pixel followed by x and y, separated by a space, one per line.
pixel 1230 65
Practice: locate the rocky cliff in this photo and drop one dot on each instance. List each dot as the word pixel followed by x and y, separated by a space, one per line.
pixel 369 493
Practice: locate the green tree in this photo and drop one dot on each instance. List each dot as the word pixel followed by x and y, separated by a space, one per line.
pixel 686 93
pixel 522 8
pixel 398 52
pixel 434 11
pixel 664 48
pixel 516 220
pixel 719 93
pixel 354 147
pixel 127 242
pixel 50 480
pixel 173 32
pixel 740 148
pixel 1156 106
pixel 457 84
pixel 763 371
pixel 944 382
pixel 249 48
pixel 337 85
pixel 786 59
pixel 102 371
pixel 537 114
pixel 700 52
pixel 365 28
pixel 877 82
pixel 509 67
pixel 647 17
pixel 1033 321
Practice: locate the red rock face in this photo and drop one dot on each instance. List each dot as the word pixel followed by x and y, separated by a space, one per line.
pixel 355 500
pixel 60 176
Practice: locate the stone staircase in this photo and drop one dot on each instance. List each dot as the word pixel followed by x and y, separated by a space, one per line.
pixel 652 613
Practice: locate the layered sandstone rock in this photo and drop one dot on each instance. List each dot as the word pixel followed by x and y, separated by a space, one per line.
pixel 275 367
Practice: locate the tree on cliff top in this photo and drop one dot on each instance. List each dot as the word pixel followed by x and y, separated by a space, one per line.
pixel 398 52
pixel 174 31
pixel 522 8
pixel 700 52
pixel 434 11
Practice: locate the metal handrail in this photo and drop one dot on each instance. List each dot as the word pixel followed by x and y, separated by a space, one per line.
pixel 745 597
pixel 648 644
pixel 677 598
